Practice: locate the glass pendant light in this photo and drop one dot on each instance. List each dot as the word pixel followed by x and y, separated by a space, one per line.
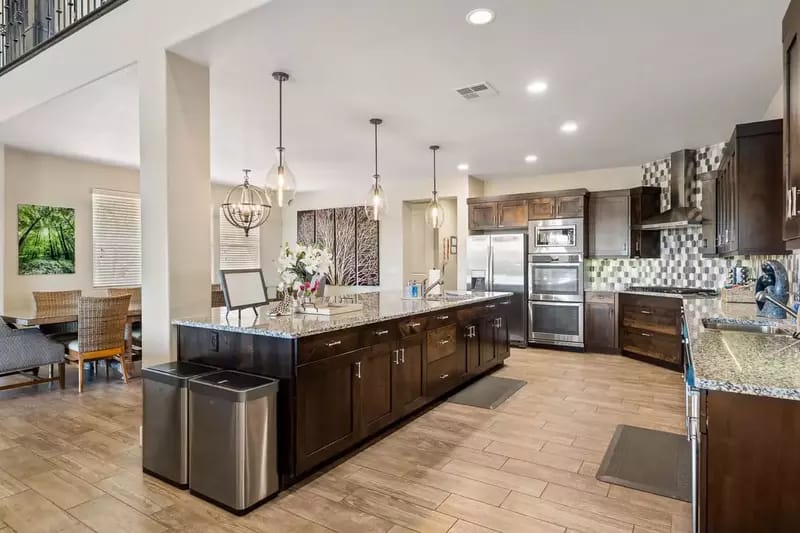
pixel 434 214
pixel 246 206
pixel 375 204
pixel 281 185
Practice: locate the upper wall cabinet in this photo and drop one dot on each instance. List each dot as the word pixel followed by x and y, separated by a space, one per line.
pixel 748 192
pixel 610 217
pixel 512 214
pixel 791 123
pixel 483 216
pixel 514 210
pixel 542 208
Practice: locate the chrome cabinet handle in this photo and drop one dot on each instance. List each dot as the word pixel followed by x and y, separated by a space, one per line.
pixel 646 334
pixel 415 324
pixel 333 343
pixel 382 332
pixel 794 201
pixel 403 355
pixel 646 312
pixel 505 303
pixel 444 376
pixel 396 356
pixel 444 341
pixel 490 306
pixel 358 369
pixel 443 317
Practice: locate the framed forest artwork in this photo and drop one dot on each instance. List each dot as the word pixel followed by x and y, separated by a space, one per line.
pixel 351 237
pixel 45 240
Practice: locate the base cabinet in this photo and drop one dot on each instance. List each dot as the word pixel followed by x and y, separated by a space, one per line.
pixel 407 377
pixel 600 328
pixel 374 376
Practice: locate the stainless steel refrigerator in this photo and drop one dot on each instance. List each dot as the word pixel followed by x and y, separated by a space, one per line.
pixel 497 262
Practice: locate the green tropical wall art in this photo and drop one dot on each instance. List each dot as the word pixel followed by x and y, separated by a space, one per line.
pixel 46 239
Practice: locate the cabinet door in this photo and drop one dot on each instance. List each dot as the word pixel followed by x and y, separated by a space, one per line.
pixel 791 125
pixel 502 349
pixel 645 244
pixel 407 378
pixel 600 327
pixel 327 398
pixel 374 375
pixel 541 208
pixel 609 223
pixel 483 215
pixel 486 334
pixel 472 347
pixel 512 214
pixel 721 206
pixel 569 207
pixel 708 246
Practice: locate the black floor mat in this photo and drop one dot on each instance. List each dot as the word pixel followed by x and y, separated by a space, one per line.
pixel 488 392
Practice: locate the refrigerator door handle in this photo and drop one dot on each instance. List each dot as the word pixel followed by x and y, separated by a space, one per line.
pixel 490 275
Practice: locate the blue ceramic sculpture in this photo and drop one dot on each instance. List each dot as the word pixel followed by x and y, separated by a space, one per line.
pixel 775 282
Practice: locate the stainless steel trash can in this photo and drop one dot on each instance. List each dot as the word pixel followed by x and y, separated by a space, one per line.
pixel 165 425
pixel 233 439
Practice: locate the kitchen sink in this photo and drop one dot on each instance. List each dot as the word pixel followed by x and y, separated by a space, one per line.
pixel 746 327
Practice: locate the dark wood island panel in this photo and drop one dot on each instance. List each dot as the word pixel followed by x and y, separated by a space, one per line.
pixel 338 389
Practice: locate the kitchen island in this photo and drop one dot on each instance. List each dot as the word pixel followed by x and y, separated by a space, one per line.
pixel 347 377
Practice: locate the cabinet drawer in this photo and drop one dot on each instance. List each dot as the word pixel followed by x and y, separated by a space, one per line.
pixel 322 346
pixel 412 326
pixel 665 348
pixel 600 297
pixel 659 320
pixel 378 333
pixel 441 342
pixel 442 318
pixel 445 372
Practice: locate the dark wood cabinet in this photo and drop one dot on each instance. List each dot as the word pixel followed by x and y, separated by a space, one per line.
pixel 374 374
pixel 749 190
pixel 749 475
pixel 791 127
pixel 541 208
pixel 483 216
pixel 650 329
pixel 611 217
pixel 600 322
pixel 327 408
pixel 407 377
pixel 512 214
pixel 708 245
pixel 570 206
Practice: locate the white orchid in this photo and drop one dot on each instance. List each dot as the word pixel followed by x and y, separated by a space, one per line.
pixel 302 268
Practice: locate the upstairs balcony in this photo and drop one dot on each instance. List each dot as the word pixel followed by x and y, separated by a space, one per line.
pixel 29 26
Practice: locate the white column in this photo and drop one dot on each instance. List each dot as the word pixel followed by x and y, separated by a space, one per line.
pixel 6 224
pixel 175 185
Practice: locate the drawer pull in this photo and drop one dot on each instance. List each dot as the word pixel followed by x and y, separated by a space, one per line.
pixel 415 324
pixel 382 332
pixel 444 341
pixel 333 343
pixel 505 303
pixel 444 376
pixel 490 306
pixel 403 355
pixel 358 370
pixel 442 317
pixel 646 312
pixel 646 334
pixel 396 356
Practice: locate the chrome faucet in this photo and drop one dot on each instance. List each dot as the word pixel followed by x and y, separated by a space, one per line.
pixel 762 296
pixel 437 283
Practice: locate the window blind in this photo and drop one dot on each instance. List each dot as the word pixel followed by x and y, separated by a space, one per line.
pixel 116 239
pixel 236 250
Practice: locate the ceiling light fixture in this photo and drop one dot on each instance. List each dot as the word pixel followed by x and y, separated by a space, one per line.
pixel 480 16
pixel 281 184
pixel 375 205
pixel 537 87
pixel 246 206
pixel 434 214
pixel 463 166
pixel 569 126
pixel 531 158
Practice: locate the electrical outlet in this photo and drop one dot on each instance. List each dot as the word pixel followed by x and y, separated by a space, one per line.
pixel 215 342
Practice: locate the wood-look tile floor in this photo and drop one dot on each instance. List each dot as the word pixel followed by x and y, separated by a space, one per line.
pixel 72 463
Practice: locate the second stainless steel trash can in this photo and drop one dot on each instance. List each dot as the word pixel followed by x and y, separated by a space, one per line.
pixel 165 419
pixel 233 439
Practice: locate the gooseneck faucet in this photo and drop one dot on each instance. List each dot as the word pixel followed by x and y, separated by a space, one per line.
pixel 762 297
pixel 436 283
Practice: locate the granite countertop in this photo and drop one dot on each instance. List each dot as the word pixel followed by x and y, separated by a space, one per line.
pixel 378 306
pixel 734 361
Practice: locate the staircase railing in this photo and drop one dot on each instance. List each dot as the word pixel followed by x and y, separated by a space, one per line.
pixel 29 26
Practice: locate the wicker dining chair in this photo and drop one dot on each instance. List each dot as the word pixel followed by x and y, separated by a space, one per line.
pixel 55 302
pixel 101 333
pixel 136 299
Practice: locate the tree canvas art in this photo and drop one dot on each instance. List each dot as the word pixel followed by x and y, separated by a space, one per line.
pixel 45 239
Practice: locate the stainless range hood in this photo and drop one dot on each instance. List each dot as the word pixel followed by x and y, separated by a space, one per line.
pixel 681 181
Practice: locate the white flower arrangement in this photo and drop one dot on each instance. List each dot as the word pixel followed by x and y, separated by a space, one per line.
pixel 301 269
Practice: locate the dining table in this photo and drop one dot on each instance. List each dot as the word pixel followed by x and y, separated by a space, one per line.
pixel 25 317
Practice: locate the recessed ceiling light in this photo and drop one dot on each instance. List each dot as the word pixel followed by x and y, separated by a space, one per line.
pixel 569 126
pixel 537 87
pixel 463 166
pixel 480 16
pixel 531 158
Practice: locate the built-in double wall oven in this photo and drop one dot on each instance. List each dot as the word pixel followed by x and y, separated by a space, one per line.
pixel 555 282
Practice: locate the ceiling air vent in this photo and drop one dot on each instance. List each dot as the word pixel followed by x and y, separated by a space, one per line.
pixel 478 90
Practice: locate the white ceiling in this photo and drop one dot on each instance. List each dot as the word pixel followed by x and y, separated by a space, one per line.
pixel 641 78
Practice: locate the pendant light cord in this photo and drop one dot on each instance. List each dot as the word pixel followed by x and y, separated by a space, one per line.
pixel 280 119
pixel 434 171
pixel 376 153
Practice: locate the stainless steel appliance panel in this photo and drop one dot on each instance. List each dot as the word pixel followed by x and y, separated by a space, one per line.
pixel 556 236
pixel 556 322
pixel 478 253
pixel 555 277
pixel 507 274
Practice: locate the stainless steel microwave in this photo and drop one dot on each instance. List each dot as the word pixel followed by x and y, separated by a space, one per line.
pixel 556 236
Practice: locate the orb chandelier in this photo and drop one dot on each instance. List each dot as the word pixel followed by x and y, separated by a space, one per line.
pixel 246 206
pixel 375 204
pixel 434 214
pixel 281 184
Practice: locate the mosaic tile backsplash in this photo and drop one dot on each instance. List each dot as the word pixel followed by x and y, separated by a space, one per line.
pixel 681 264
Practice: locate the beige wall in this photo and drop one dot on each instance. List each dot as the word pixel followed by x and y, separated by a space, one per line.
pixel 602 179
pixel 775 107
pixel 34 178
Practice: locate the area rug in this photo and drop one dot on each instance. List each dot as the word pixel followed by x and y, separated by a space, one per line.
pixel 488 393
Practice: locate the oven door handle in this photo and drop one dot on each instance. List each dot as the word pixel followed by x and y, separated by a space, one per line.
pixel 556 304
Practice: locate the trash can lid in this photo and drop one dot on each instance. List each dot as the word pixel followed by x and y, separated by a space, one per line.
pixel 182 369
pixel 236 386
